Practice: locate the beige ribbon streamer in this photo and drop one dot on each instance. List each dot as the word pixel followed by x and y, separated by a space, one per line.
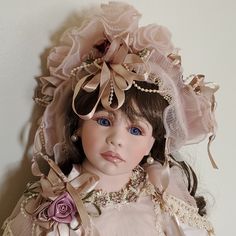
pixel 173 227
pixel 165 179
pixel 213 163
pixel 110 70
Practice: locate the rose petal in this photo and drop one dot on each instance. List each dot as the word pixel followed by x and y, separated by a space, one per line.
pixel 62 209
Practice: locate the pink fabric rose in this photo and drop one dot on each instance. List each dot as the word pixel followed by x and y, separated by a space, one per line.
pixel 62 209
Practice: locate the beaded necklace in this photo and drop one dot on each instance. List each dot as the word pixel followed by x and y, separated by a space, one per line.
pixel 129 193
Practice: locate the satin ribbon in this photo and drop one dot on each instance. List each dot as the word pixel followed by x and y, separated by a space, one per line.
pixel 198 85
pixel 110 70
pixel 176 59
pixel 170 223
pixel 173 225
pixel 55 184
pixel 213 163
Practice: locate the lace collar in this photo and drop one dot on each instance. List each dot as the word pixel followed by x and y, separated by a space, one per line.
pixel 130 193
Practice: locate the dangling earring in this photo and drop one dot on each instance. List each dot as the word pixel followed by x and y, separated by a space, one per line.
pixel 150 159
pixel 74 137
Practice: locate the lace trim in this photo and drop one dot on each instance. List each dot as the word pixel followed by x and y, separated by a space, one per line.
pixel 186 213
pixel 158 223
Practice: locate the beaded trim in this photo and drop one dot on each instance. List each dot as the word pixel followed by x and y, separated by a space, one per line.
pixel 7 229
pixel 158 223
pixel 40 99
pixel 24 203
pixel 85 66
pixel 43 101
pixel 41 137
pixel 146 90
pixel 151 77
pixel 164 93
pixel 129 193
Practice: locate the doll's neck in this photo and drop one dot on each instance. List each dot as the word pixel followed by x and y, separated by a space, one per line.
pixel 108 183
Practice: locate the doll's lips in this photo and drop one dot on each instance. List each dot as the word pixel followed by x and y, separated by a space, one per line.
pixel 112 157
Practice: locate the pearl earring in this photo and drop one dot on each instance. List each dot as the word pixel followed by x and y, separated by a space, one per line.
pixel 150 159
pixel 74 138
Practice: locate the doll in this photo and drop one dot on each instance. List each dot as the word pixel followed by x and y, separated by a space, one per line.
pixel 117 110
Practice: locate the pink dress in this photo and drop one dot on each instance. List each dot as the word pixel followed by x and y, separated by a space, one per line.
pixel 137 210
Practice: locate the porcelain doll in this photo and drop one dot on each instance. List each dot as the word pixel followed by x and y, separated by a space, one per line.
pixel 117 110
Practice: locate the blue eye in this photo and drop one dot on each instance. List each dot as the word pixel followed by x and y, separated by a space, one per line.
pixel 135 131
pixel 103 122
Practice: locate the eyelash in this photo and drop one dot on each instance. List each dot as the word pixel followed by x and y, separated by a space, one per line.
pixel 108 123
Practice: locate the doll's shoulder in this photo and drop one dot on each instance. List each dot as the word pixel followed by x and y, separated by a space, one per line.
pixel 172 179
pixel 176 204
pixel 178 211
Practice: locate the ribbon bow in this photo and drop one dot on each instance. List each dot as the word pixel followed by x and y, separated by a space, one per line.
pixel 111 74
pixel 199 86
pixel 55 183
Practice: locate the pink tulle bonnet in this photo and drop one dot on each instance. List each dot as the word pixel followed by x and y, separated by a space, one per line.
pixel 189 117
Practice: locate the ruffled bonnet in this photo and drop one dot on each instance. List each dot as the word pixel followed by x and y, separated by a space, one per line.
pixel 129 53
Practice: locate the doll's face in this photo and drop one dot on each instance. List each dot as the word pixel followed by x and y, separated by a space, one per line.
pixel 113 144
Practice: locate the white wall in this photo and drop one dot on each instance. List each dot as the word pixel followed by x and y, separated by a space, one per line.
pixel 204 30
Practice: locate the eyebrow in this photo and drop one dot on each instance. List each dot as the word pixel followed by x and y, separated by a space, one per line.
pixel 108 112
pixel 139 118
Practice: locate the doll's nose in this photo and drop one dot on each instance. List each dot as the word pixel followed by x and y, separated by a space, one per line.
pixel 115 138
